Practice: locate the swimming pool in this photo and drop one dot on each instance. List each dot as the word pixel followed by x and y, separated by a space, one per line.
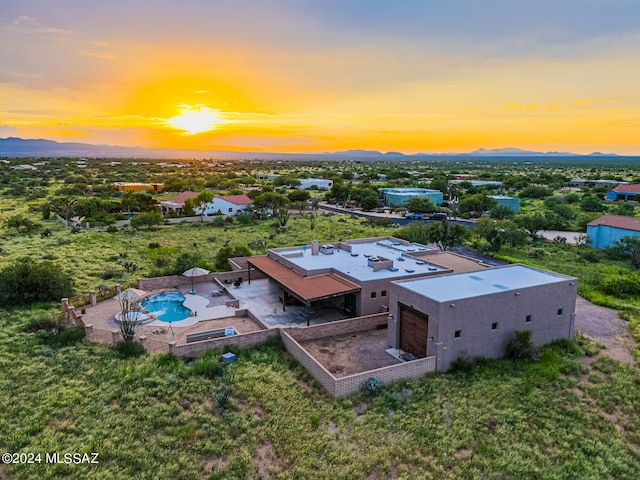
pixel 167 307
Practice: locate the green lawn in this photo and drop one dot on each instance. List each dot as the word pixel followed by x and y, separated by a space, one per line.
pixel 153 417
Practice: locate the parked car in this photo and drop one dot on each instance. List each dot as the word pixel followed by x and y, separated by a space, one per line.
pixel 414 216
pixel 438 216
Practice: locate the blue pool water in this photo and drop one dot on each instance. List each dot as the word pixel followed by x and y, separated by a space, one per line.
pixel 167 307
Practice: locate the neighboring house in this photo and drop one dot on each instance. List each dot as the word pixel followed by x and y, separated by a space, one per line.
pixel 476 314
pixel 585 182
pixel 478 183
pixel 176 204
pixel 224 205
pixel 608 229
pixel 355 275
pixel 624 192
pixel 511 202
pixel 382 177
pixel 399 196
pixel 320 183
pixel 136 187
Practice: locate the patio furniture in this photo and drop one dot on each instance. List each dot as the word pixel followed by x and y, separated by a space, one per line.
pixel 197 337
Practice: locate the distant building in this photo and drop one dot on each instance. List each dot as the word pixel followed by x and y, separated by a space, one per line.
pixel 624 192
pixel 476 314
pixel 176 204
pixel 478 183
pixel 400 196
pixel 224 205
pixel 512 202
pixel 382 177
pixel 267 177
pixel 585 182
pixel 320 183
pixel 137 187
pixel 608 229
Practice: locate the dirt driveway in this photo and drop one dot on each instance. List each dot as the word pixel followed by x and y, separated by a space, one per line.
pixel 606 327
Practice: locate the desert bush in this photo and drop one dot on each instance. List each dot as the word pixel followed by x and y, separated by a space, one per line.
pixel 69 336
pixel 372 385
pixel 521 347
pixel 25 281
pixel 129 349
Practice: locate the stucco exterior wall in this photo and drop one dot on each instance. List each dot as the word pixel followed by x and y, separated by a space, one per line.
pixel 474 317
pixel 601 236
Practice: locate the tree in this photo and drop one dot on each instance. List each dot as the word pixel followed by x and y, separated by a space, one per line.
pixel 369 200
pixel 532 223
pixel 534 191
pixel 499 234
pixel 223 256
pixel 271 201
pixel 591 204
pixel 298 196
pixel 149 219
pixel 21 224
pixel 626 248
pixel 25 281
pixel 476 202
pixel 501 212
pixel 420 205
pixel 446 235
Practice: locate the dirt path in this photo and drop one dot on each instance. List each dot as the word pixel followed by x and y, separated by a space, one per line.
pixel 605 326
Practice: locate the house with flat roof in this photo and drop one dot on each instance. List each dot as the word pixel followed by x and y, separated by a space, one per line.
pixel 224 205
pixel 608 229
pixel 476 313
pixel 512 202
pixel 478 183
pixel 355 275
pixel 137 187
pixel 319 183
pixel 624 192
pixel 399 196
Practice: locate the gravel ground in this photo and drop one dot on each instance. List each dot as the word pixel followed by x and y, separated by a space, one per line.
pixel 606 327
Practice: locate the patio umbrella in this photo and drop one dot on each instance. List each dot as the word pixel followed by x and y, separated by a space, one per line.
pixel 130 293
pixel 195 272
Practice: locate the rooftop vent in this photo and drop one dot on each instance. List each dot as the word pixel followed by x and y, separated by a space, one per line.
pixel 475 277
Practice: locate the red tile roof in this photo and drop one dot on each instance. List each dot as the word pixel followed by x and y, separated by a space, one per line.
pixel 236 199
pixel 181 197
pixel 631 188
pixel 308 288
pixel 617 221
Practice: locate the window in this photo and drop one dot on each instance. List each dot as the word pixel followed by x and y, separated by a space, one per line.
pixel 527 319
pixel 560 312
pixel 383 293
pixel 494 326
pixel 374 294
pixel 230 209
pixel 457 334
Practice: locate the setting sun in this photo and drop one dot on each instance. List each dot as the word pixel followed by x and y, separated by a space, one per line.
pixel 196 119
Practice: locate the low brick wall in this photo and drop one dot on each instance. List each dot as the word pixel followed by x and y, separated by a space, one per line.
pixel 351 325
pixel 190 350
pixel 312 366
pixel 403 371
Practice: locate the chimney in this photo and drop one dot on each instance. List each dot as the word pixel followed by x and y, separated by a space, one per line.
pixel 315 247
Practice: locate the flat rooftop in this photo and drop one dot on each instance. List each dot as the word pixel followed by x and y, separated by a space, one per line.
pixel 445 288
pixel 355 263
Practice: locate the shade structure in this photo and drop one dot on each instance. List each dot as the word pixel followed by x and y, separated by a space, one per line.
pixel 195 272
pixel 131 293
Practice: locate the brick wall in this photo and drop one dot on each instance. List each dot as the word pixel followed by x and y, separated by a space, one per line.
pixel 394 373
pixel 312 366
pixel 245 340
pixel 339 327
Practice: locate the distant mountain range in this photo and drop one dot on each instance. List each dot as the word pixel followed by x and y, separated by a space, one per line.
pixel 18 147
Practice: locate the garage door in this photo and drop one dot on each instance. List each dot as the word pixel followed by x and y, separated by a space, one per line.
pixel 413 332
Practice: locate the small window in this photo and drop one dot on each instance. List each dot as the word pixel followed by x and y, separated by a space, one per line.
pixel 374 294
pixel 494 326
pixel 383 293
pixel 527 319
pixel 457 334
pixel 230 209
pixel 560 312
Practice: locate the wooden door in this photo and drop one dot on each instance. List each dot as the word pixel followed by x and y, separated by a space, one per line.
pixel 414 327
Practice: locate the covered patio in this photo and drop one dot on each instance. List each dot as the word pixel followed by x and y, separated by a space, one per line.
pixel 304 290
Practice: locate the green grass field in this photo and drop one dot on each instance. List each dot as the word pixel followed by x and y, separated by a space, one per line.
pixel 156 417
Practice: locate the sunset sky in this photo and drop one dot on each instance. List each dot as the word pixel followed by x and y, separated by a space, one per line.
pixel 324 75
